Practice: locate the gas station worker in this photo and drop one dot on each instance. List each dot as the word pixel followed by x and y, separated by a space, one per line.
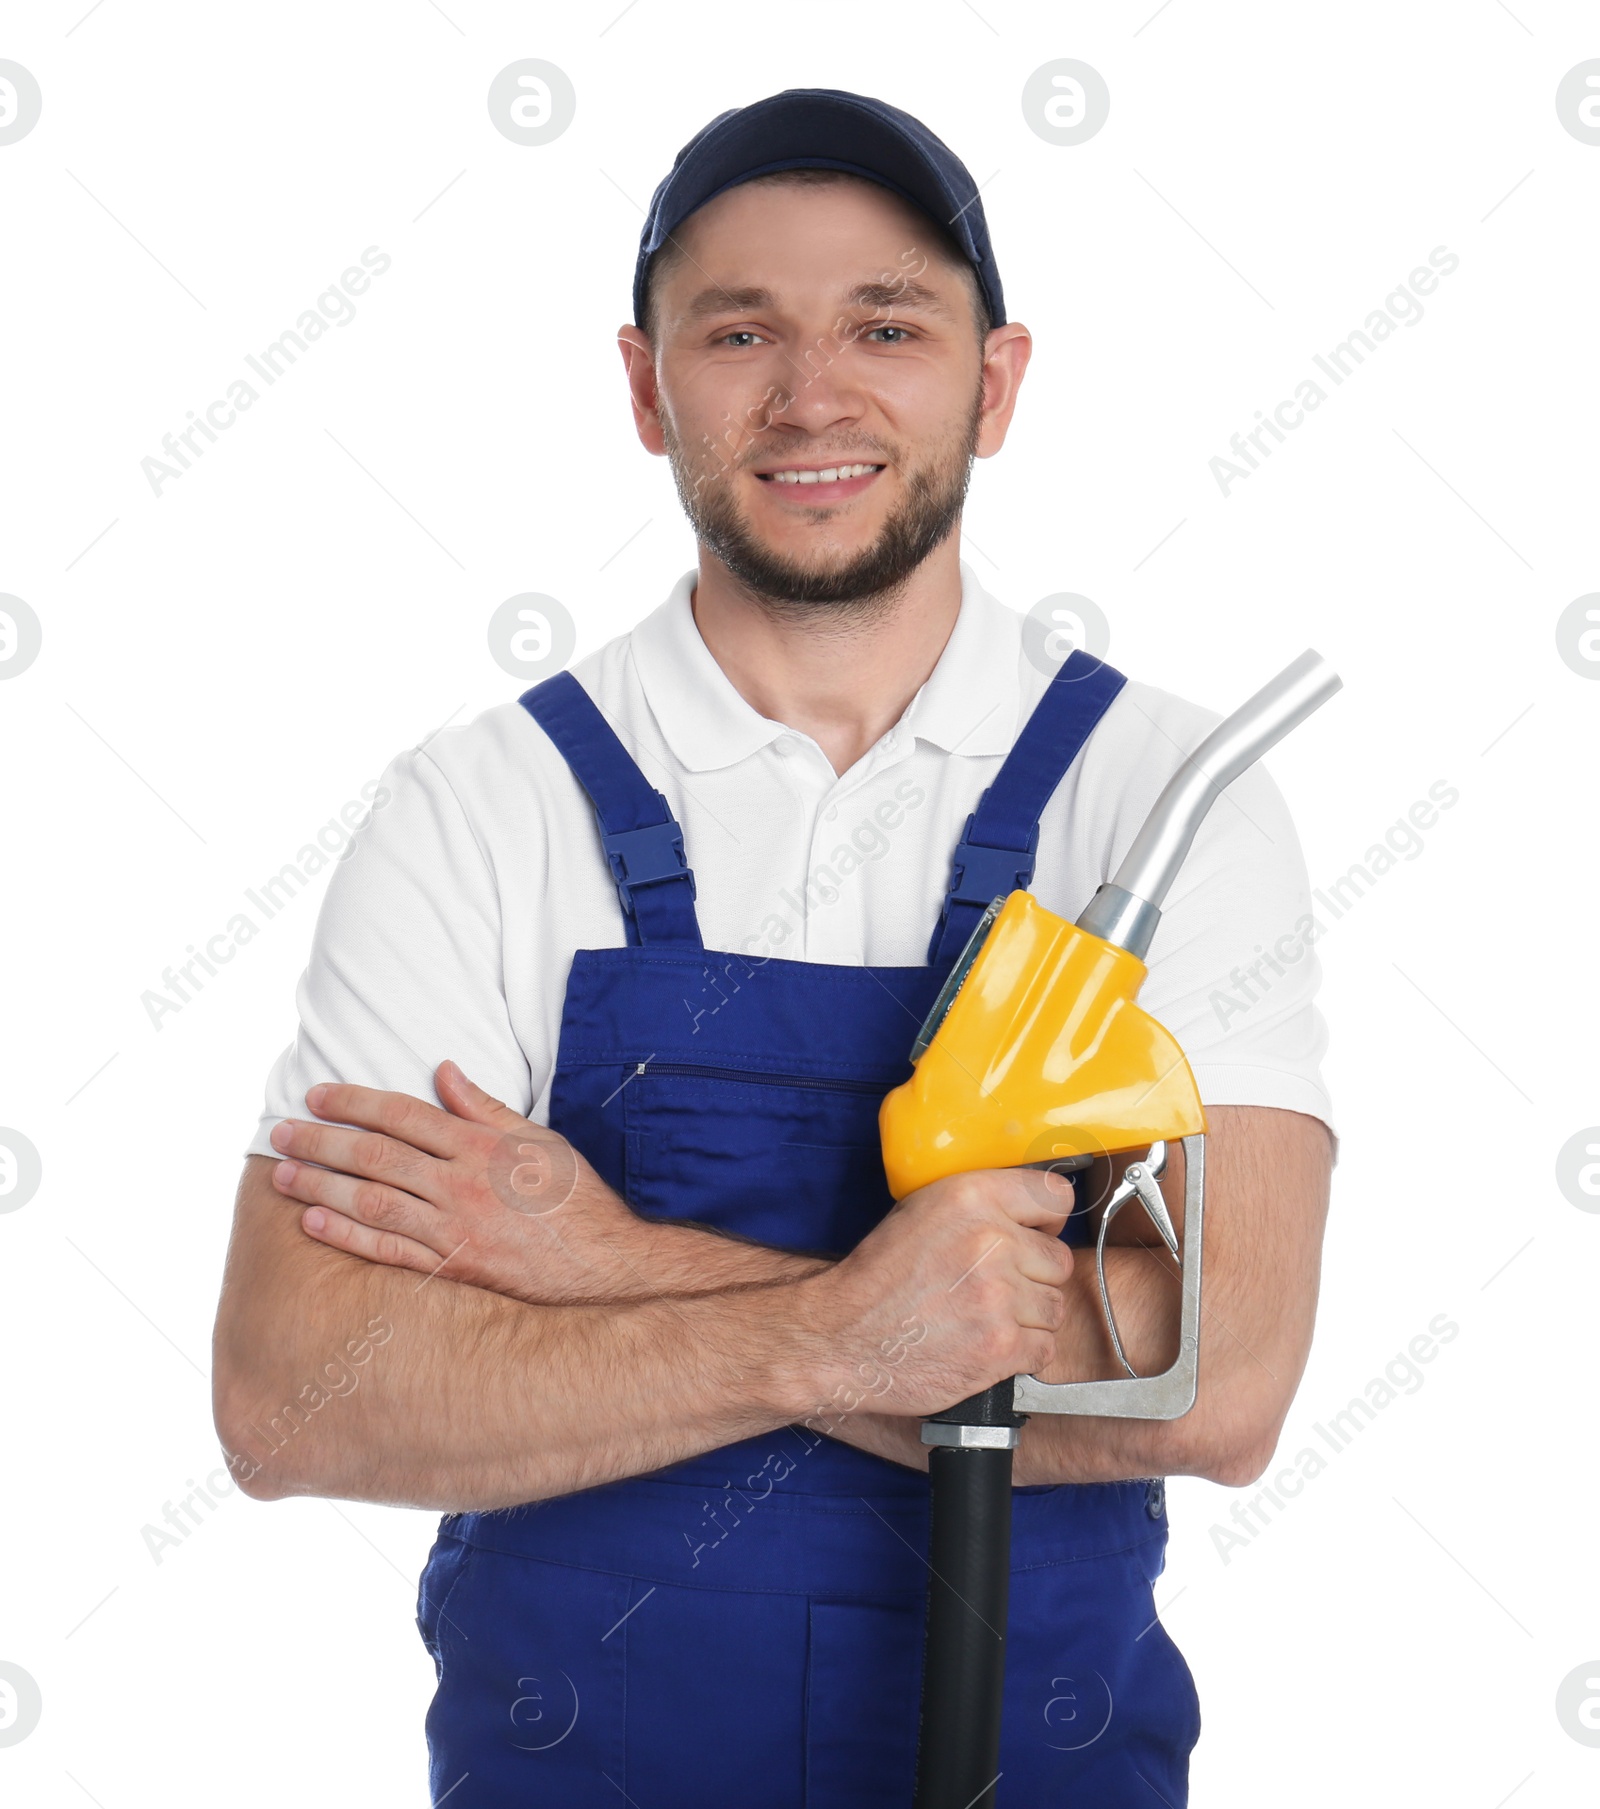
pixel 566 1213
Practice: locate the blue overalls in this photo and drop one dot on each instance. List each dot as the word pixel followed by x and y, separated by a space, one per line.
pixel 744 1630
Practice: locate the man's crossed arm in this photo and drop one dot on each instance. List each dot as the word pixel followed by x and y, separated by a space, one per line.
pixel 461 1314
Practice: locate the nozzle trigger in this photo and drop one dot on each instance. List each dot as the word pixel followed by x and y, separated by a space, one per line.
pixel 1139 1181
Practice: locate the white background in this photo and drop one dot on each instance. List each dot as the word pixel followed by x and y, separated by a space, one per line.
pixel 226 664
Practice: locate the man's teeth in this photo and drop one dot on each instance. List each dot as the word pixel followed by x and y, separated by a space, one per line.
pixel 830 476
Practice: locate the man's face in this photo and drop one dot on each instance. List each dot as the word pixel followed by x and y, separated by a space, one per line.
pixel 806 331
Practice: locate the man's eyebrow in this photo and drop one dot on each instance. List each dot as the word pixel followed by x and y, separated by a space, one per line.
pixel 904 292
pixel 717 300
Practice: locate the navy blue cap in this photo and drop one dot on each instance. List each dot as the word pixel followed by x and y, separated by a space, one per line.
pixel 824 129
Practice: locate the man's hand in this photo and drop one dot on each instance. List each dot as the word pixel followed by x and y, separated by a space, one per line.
pixel 957 1288
pixel 477 1193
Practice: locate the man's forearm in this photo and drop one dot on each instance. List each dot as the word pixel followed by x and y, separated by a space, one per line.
pixel 1053 1448
pixel 690 1259
pixel 545 1400
pixel 341 1377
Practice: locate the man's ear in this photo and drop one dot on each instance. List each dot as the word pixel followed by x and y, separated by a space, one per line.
pixel 644 395
pixel 1006 353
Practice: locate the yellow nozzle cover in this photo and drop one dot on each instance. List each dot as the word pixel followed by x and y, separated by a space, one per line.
pixel 1043 1053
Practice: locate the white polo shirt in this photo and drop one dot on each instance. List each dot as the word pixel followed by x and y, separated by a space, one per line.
pixel 450 929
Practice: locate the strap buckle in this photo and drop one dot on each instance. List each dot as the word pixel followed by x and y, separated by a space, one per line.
pixel 983 873
pixel 641 857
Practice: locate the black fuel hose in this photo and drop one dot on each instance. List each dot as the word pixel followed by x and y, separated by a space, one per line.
pixel 969 1586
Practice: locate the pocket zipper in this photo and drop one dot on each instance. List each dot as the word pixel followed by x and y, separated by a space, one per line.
pixel 774 1080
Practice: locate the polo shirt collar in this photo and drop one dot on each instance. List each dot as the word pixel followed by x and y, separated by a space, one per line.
pixel 969 704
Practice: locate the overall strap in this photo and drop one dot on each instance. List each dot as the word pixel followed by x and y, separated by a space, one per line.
pixel 996 852
pixel 641 838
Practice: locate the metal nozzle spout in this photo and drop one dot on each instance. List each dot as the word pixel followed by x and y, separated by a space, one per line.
pixel 1127 908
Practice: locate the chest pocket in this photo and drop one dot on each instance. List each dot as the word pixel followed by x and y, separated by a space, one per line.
pixel 788 1160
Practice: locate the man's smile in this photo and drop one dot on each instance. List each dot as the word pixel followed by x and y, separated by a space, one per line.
pixel 839 481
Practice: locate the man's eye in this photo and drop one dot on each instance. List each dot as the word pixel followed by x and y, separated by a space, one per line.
pixel 745 333
pixel 889 329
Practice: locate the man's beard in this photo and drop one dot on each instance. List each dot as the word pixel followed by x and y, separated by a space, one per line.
pixel 929 510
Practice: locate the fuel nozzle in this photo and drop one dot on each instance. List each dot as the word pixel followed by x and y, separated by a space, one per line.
pixel 1036 1052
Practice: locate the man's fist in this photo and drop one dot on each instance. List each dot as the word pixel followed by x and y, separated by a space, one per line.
pixel 956 1289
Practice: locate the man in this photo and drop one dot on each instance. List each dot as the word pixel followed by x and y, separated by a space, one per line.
pixel 649 1331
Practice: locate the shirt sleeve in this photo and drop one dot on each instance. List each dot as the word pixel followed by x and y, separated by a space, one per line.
pixel 406 963
pixel 1234 971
